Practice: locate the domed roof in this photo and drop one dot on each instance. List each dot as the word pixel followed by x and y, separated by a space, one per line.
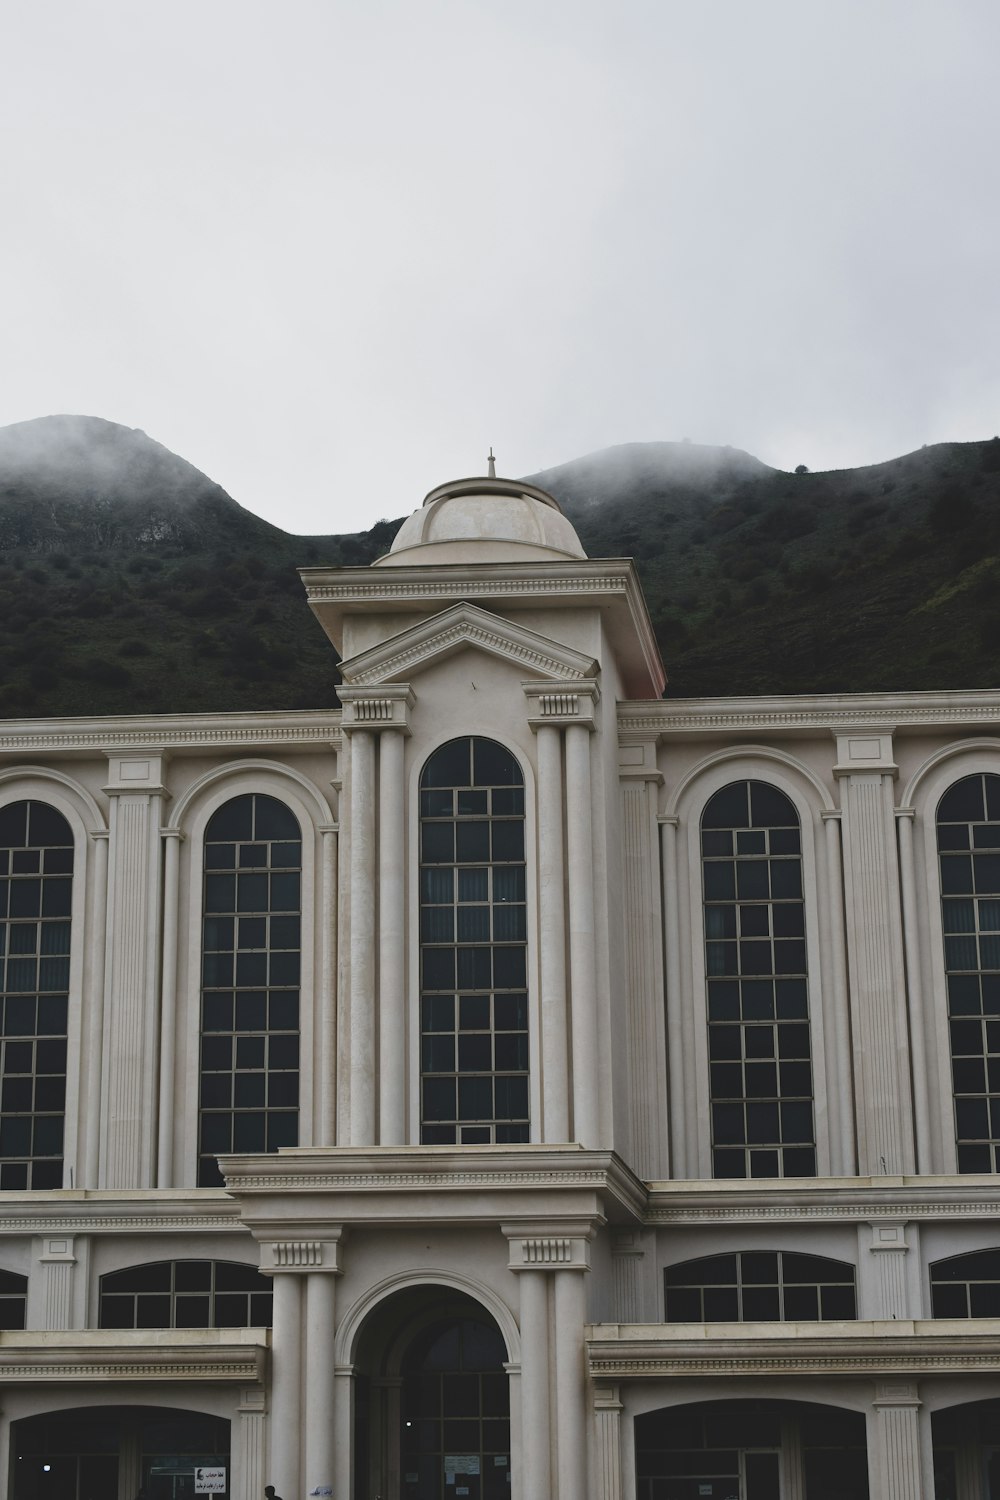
pixel 484 520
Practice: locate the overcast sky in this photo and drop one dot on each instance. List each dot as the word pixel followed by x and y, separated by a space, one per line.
pixel 331 250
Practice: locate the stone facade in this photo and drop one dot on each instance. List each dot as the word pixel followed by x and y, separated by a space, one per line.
pixel 375 1235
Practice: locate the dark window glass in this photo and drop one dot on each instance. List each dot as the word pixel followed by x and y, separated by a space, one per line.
pixel 967 1286
pixel 759 1286
pixel 473 969
pixel 13 1300
pixel 250 979
pixel 755 958
pixel 455 1401
pixel 969 817
pixel 186 1294
pixel 36 859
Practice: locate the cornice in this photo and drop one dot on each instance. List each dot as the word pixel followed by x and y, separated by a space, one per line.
pixel 790 714
pixel 833 1200
pixel 611 584
pixel 411 585
pixel 110 1213
pixel 741 1349
pixel 172 731
pixel 421 1169
pixel 27 1359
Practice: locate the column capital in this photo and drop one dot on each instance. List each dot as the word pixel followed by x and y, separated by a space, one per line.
pixel 56 1250
pixel 896 1394
pixel 303 1256
pixel 606 1396
pixel 137 773
pixel 548 1247
pixel 889 1237
pixel 627 1242
pixel 386 706
pixel 864 751
pixel 637 757
pixel 558 704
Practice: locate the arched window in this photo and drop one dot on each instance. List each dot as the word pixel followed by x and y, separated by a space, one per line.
pixel 758 1002
pixel 186 1294
pixel 968 828
pixel 966 1286
pixel 764 1286
pixel 13 1299
pixel 473 953
pixel 250 981
pixel 36 890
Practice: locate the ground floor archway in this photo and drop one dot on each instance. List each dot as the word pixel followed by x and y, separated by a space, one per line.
pixel 432 1400
pixel 751 1450
pixel 967 1451
pixel 114 1453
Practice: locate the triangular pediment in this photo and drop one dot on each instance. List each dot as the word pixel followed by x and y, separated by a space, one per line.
pixel 410 652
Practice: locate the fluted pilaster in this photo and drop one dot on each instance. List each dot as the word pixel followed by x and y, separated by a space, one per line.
pixel 875 954
pixel 648 1128
pixel 129 1094
pixel 552 936
pixel 896 1470
pixel 391 936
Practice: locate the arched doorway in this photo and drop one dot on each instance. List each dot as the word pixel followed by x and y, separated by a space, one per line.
pixel 751 1450
pixel 105 1452
pixel 432 1400
pixel 967 1451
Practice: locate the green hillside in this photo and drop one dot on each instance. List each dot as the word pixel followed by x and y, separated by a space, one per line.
pixel 759 581
pixel 129 582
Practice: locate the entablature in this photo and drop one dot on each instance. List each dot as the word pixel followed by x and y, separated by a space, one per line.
pixel 796 716
pixel 178 733
pixel 900 1347
pixel 231 1356
pixel 608 584
pixel 94 1211
pixel 821 1200
pixel 406 1184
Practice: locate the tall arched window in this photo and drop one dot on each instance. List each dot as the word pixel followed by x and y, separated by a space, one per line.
pixel 968 828
pixel 758 1001
pixel 36 889
pixel 473 952
pixel 250 981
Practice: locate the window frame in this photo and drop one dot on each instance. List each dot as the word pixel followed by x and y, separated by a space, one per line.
pixel 966 1282
pixel 86 825
pixel 173 1293
pixel 427 750
pixel 486 902
pixel 781 1284
pixel 940 771
pixel 192 815
pixel 832 1088
pixel 230 915
pixel 990 1097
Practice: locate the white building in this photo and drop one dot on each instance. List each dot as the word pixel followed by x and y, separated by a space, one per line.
pixel 606 1089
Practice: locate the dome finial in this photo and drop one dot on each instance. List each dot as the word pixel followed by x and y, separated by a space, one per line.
pixel 492 471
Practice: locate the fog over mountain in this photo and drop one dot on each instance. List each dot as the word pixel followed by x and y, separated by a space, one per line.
pixel 132 582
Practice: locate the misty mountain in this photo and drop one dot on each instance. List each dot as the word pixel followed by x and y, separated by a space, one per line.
pixel 130 582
